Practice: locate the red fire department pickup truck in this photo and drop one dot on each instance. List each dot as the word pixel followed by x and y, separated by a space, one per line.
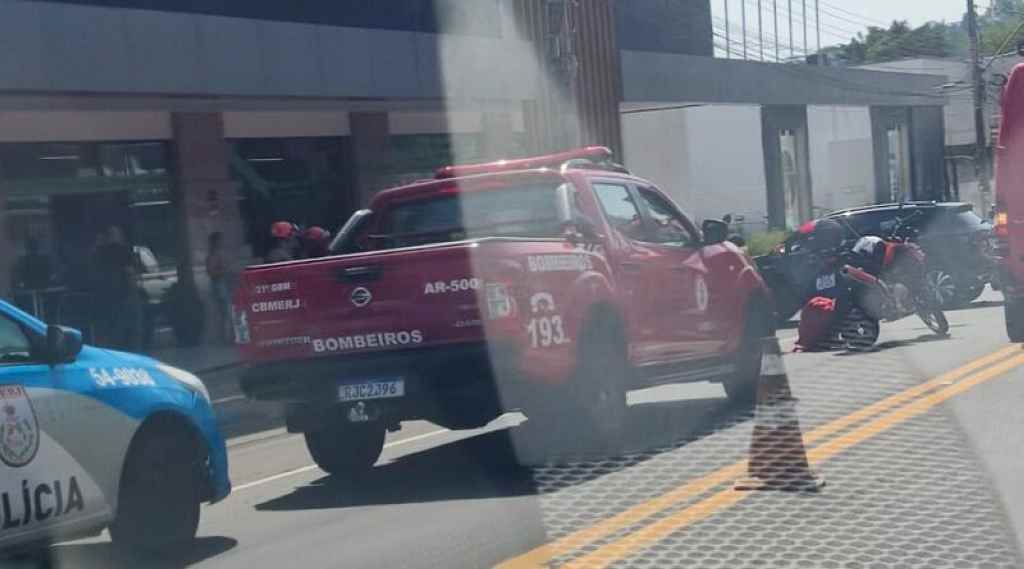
pixel 551 285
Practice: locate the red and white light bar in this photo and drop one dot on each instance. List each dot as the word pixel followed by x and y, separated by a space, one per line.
pixel 595 154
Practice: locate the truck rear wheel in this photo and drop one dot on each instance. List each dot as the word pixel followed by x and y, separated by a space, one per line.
pixel 346 449
pixel 1013 310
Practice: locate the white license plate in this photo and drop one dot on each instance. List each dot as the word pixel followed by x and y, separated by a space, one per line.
pixel 383 389
pixel 826 282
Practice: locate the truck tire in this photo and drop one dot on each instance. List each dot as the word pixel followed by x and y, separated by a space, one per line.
pixel 1013 310
pixel 346 449
pixel 159 495
pixel 588 418
pixel 741 385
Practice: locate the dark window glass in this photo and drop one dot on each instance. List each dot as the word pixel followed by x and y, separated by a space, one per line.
pixel 668 225
pixel 621 210
pixel 514 211
pixel 14 344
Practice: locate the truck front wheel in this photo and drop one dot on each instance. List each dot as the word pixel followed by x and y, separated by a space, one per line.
pixel 346 449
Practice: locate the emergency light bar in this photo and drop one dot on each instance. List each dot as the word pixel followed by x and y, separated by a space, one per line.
pixel 588 157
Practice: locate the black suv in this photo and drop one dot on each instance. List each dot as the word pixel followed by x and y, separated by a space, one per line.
pixel 954 238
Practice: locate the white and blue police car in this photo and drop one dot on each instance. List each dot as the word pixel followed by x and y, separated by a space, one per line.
pixel 93 439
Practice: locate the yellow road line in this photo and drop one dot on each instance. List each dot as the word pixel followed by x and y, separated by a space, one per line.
pixel 664 527
pixel 541 555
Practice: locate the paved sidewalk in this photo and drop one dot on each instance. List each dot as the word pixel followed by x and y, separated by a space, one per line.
pixel 199 359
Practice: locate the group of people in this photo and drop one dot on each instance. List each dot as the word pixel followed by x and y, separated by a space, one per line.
pixel 290 242
pixel 120 316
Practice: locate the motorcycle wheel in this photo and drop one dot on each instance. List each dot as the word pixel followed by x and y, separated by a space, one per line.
pixel 859 331
pixel 935 320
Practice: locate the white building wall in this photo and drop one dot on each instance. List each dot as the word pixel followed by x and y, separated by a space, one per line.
pixel 665 131
pixel 708 158
pixel 959 110
pixel 841 160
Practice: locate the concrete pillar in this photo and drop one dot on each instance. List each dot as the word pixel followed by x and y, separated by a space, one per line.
pixel 206 196
pixel 927 151
pixel 371 153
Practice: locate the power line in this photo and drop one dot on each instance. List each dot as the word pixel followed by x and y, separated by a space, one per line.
pixel 843 33
pixel 856 15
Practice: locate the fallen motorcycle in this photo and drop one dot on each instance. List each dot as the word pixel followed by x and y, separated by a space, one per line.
pixel 880 279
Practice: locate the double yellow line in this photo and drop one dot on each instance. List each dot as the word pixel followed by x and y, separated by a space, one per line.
pixel 880 416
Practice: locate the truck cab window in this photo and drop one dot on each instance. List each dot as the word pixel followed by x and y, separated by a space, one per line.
pixel 621 210
pixel 668 226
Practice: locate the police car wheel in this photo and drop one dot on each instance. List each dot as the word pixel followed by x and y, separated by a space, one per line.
pixel 346 449
pixel 158 505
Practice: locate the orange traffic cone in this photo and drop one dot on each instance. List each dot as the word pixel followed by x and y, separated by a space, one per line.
pixel 778 459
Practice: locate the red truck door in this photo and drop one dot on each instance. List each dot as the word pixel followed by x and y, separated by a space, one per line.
pixel 687 317
pixel 657 281
pixel 1010 173
pixel 633 265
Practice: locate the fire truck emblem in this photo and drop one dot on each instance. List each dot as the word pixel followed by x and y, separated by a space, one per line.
pixel 19 429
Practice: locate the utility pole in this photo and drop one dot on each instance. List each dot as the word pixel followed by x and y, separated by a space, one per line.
pixel 803 12
pixel 981 146
pixel 760 29
pixel 743 26
pixel 792 52
pixel 775 15
pixel 728 36
pixel 817 26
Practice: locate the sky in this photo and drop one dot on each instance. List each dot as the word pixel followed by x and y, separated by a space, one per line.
pixel 840 20
pixel 916 11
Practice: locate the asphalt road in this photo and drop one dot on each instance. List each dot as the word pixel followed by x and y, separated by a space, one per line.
pixel 918 442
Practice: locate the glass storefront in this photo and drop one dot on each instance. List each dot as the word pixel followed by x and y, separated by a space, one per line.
pixel 61 196
pixel 301 180
pixel 309 181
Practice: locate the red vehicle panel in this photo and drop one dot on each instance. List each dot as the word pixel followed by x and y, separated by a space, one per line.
pixel 1009 217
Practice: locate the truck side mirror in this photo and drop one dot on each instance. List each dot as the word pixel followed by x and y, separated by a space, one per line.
pixel 715 231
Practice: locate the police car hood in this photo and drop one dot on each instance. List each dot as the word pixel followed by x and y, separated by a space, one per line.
pixel 125 358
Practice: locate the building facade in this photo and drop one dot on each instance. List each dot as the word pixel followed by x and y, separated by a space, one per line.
pixel 176 120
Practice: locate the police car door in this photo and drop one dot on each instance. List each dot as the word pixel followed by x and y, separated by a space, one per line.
pixel 45 488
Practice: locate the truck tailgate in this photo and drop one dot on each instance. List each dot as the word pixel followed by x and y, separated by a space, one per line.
pixel 417 297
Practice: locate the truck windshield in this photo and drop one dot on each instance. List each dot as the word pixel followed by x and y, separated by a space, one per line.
pixel 509 211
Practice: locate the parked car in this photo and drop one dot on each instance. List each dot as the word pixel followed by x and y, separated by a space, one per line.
pixel 156 278
pixel 552 285
pixel 95 439
pixel 954 237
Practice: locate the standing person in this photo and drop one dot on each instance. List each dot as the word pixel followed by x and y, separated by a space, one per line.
pixel 220 287
pixel 286 242
pixel 118 291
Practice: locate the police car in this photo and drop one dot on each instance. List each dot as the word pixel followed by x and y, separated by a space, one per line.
pixel 93 439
